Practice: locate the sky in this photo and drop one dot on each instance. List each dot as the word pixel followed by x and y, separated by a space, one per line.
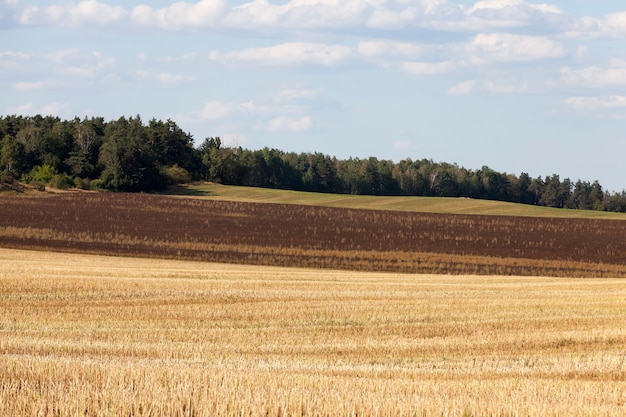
pixel 516 85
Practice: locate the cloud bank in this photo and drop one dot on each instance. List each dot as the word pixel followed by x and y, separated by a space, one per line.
pixel 320 15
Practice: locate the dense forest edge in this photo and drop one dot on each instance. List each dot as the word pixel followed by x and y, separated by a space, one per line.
pixel 132 156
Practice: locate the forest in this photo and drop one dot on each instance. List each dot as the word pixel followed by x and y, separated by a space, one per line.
pixel 129 155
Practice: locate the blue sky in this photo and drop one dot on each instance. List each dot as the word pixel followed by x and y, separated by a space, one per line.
pixel 517 85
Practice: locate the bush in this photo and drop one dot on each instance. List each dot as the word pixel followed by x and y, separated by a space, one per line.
pixel 175 175
pixel 97 184
pixel 38 185
pixel 61 181
pixel 81 183
pixel 6 177
pixel 40 174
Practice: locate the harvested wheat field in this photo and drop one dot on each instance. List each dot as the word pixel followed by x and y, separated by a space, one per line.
pixel 92 335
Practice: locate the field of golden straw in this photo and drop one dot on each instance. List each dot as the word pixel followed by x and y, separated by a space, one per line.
pixel 86 335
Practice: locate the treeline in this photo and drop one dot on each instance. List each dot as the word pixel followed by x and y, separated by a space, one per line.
pixel 129 155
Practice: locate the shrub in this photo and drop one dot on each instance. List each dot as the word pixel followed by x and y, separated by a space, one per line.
pixel 6 177
pixel 61 181
pixel 81 183
pixel 38 185
pixel 175 175
pixel 40 174
pixel 97 184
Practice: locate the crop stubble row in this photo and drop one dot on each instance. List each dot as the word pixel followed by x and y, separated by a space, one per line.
pixel 91 335
pixel 292 235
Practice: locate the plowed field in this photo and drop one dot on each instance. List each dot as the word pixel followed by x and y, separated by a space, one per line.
pixel 291 235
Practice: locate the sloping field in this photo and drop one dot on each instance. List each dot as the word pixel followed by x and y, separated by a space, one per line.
pixel 312 236
pixel 98 336
pixel 439 205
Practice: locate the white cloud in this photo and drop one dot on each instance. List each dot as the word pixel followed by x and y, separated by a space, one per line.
pixel 276 16
pixel 11 60
pixel 586 27
pixel 12 54
pixel 7 8
pixel 88 12
pixel 188 56
pixel 28 86
pixel 402 145
pixel 163 77
pixel 249 107
pixel 391 19
pixel 286 124
pixel 22 109
pixel 505 47
pixel 295 95
pixel 596 103
pixel 391 15
pixel 233 140
pixel 512 7
pixel 50 109
pixel 75 63
pixel 63 55
pixel 614 25
pixel 179 15
pixel 581 52
pixel 287 54
pixel 388 48
pixel 614 75
pixel 431 14
pixel 255 13
pixel 217 110
pixel 462 88
pixel 509 14
pixel 57 109
pixel 28 15
pixel 93 12
pixel 428 68
pixel 506 87
pixel 492 15
pixel 270 118
pixel 300 14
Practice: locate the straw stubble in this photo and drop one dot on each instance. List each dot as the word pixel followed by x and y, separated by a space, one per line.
pixel 89 335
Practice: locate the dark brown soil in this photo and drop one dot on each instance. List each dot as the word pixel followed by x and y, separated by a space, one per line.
pixel 173 227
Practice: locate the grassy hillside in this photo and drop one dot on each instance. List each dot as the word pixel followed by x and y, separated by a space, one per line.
pixel 396 203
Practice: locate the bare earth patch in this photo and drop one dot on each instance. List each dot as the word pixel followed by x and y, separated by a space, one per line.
pixel 308 236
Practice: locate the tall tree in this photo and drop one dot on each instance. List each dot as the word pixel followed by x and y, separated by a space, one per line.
pixel 11 157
